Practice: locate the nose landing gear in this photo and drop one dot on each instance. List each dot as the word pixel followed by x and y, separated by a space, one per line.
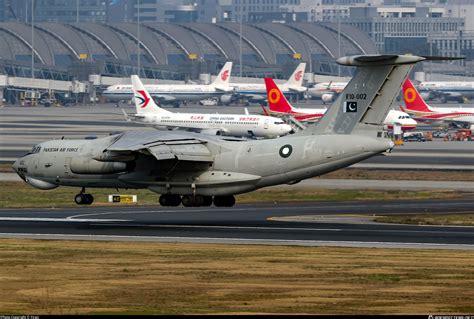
pixel 83 199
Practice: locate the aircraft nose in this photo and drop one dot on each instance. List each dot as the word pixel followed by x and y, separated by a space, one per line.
pixel 15 166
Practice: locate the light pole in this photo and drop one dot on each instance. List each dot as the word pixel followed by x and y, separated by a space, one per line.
pixel 338 37
pixel 240 36
pixel 77 11
pixel 32 39
pixel 138 37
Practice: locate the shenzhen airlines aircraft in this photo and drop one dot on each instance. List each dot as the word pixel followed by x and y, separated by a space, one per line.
pixel 422 112
pixel 174 93
pixel 279 105
pixel 256 92
pixel 226 124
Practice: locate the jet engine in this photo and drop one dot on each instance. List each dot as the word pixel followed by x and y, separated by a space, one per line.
pixel 226 98
pixel 91 166
pixel 327 97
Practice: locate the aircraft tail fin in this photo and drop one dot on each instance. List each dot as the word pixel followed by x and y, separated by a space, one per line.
pixel 144 103
pixel 223 77
pixel 277 101
pixel 365 101
pixel 296 79
pixel 413 100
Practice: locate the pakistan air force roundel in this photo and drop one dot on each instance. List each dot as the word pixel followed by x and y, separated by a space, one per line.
pixel 285 150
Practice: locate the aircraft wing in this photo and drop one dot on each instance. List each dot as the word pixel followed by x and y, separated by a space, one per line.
pixel 299 89
pixel 224 88
pixel 161 145
pixel 164 98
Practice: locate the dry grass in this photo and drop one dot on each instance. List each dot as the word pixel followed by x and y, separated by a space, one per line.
pixel 79 277
pixel 20 194
pixel 430 219
pixel 435 175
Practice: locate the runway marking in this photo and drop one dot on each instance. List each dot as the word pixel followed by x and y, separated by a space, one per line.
pixel 43 219
pixel 242 240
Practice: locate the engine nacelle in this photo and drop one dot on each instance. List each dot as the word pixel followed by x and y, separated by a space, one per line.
pixel 226 98
pixel 327 97
pixel 91 166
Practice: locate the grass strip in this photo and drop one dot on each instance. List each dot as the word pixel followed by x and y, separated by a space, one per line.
pixel 82 277
pixel 20 194
pixel 430 219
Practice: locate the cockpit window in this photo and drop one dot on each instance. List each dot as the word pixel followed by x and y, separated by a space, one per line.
pixel 281 122
pixel 35 149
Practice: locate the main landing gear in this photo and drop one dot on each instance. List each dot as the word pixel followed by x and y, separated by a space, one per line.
pixel 83 199
pixel 196 200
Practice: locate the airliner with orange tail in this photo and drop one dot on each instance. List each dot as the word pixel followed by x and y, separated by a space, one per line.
pixel 280 106
pixel 415 105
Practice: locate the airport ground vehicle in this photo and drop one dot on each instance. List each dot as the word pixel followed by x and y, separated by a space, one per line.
pixel 414 137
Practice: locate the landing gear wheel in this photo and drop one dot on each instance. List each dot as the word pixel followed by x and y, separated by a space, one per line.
pixel 79 199
pixel 207 201
pixel 188 201
pixel 170 200
pixel 224 201
pixel 84 199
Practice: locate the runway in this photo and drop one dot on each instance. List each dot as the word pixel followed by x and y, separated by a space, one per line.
pixel 344 224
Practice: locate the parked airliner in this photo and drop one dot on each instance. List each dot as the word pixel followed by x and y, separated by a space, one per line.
pixel 176 93
pixel 219 124
pixel 415 105
pixel 280 106
pixel 257 93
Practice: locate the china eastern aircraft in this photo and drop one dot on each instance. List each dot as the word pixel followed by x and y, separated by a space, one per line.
pixel 198 170
pixel 218 124
pixel 256 92
pixel 176 93
pixel 422 112
pixel 279 106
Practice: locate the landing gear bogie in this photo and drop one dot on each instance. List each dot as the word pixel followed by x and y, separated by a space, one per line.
pixel 84 199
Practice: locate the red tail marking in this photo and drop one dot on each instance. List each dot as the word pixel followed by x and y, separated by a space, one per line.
pixel 225 75
pixel 298 75
pixel 276 100
pixel 413 100
pixel 144 98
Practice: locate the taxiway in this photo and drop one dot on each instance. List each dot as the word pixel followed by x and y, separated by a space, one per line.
pixel 309 224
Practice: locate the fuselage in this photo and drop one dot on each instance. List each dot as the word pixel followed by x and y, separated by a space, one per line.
pixel 167 92
pixel 464 88
pixel 227 124
pixel 237 166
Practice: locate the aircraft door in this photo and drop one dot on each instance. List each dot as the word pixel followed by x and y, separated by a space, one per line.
pixel 266 123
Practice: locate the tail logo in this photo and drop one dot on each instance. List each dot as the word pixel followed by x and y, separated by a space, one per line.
pixel 274 96
pixel 298 75
pixel 225 75
pixel 410 95
pixel 144 99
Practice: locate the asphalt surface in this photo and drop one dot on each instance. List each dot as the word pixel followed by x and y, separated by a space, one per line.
pixel 310 224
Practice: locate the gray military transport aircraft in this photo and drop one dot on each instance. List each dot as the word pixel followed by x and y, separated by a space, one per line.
pixel 198 170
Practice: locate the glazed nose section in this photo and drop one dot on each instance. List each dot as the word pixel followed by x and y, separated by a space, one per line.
pixel 19 169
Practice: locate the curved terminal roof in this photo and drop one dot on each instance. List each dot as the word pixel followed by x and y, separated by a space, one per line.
pixel 60 44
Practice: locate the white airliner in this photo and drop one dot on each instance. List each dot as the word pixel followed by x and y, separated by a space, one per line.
pixel 326 91
pixel 415 105
pixel 176 93
pixel 257 93
pixel 279 106
pixel 447 90
pixel 223 124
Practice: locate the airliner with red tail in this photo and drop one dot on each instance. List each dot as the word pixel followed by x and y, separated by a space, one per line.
pixel 177 93
pixel 279 106
pixel 415 105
